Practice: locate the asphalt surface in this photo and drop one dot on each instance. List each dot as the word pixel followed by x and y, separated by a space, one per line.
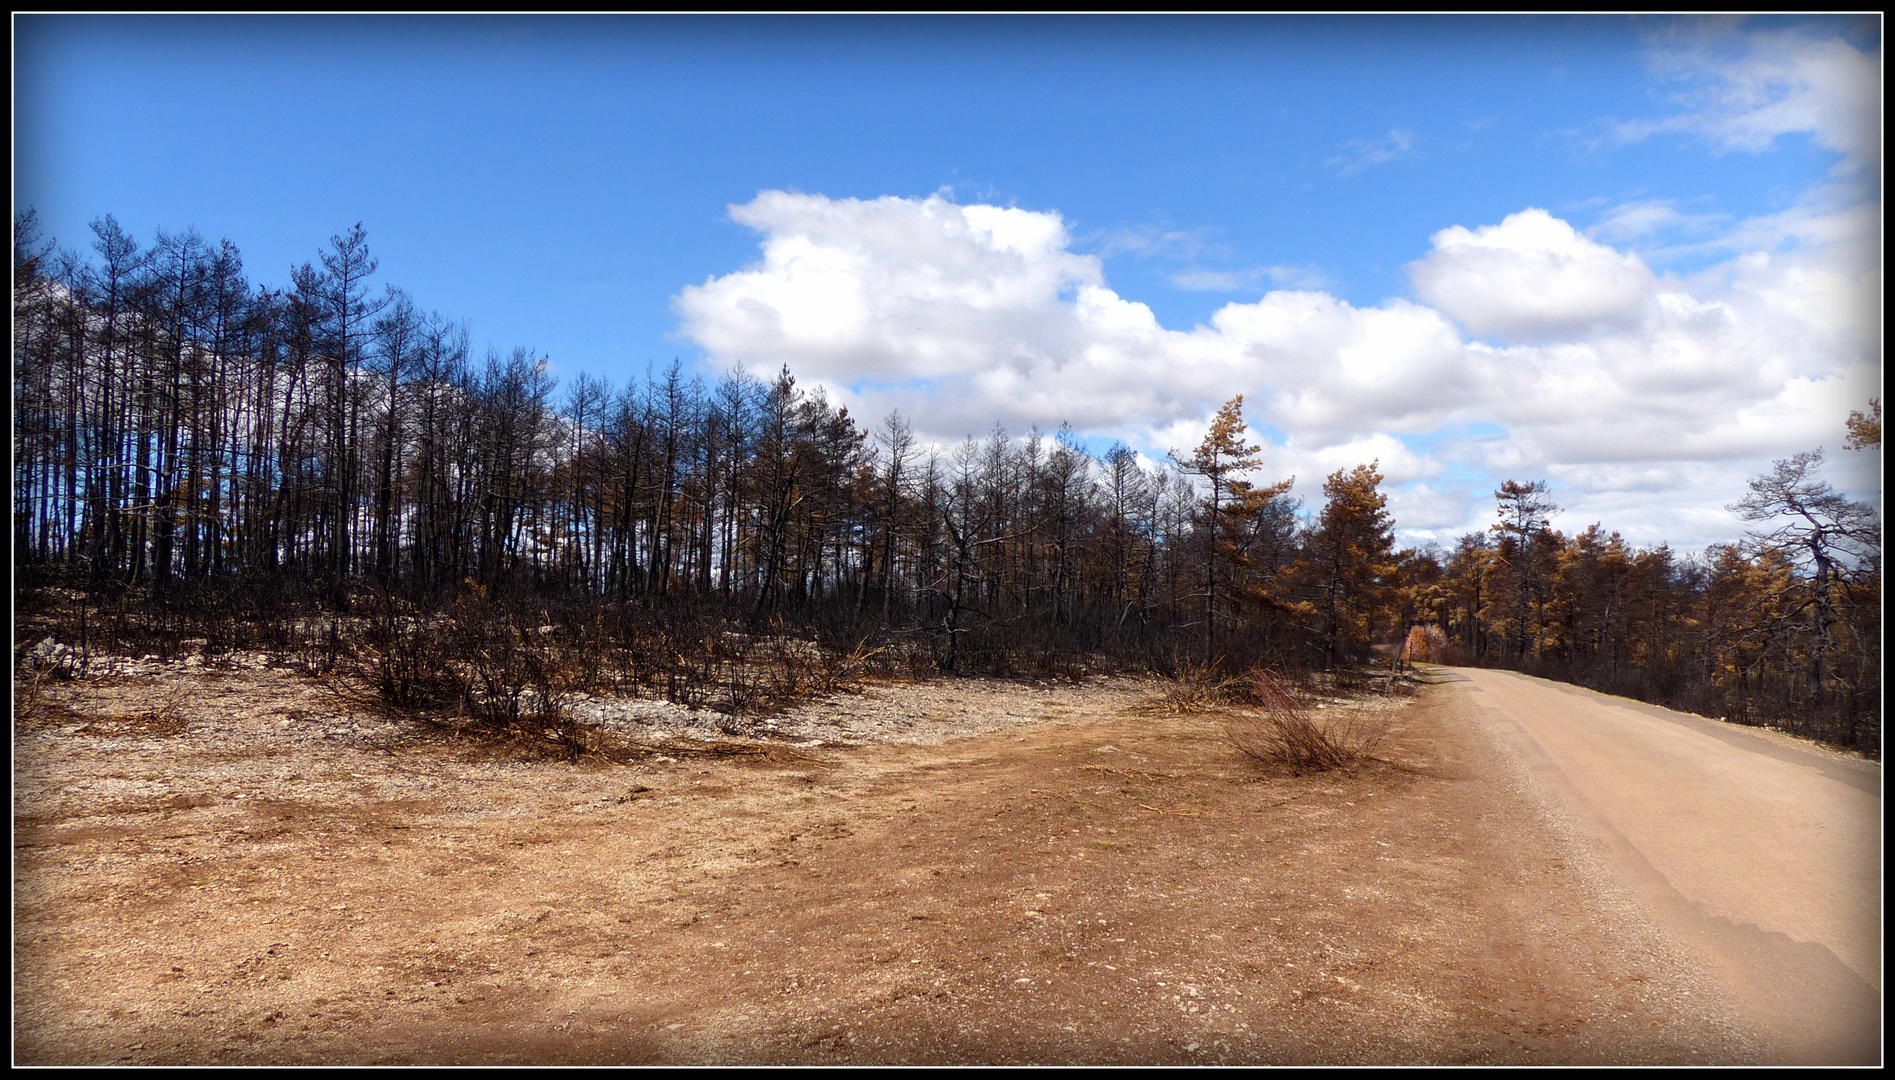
pixel 1758 855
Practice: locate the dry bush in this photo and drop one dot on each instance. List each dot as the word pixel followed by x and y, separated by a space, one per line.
pixel 537 738
pixel 746 674
pixel 519 673
pixel 506 670
pixel 502 673
pixel 1198 689
pixel 487 662
pixel 1284 730
pixel 1427 644
pixel 38 698
pixel 28 702
pixel 166 718
pixel 406 659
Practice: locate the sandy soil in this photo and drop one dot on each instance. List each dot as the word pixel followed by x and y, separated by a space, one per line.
pixel 227 866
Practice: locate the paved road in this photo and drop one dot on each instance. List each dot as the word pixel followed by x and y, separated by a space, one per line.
pixel 1758 855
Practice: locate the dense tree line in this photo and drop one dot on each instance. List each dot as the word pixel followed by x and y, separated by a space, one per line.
pixel 187 442
pixel 1782 629
pixel 177 428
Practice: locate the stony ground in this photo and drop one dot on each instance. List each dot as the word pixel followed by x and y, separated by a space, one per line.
pixel 232 865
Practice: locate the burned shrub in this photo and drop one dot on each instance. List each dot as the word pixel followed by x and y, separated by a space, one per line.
pixel 1283 730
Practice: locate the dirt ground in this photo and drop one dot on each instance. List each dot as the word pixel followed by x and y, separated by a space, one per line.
pixel 228 866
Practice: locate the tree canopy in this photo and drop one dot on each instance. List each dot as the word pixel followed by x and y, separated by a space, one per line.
pixel 206 457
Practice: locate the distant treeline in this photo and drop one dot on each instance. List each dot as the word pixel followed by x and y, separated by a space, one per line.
pixel 1782 630
pixel 219 456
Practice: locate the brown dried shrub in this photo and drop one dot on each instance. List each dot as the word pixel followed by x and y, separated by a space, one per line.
pixel 1428 644
pixel 1198 689
pixel 1283 730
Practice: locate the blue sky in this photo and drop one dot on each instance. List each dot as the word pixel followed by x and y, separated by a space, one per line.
pixel 1273 192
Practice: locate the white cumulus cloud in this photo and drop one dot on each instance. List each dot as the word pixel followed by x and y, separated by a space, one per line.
pixel 1531 277
pixel 1633 390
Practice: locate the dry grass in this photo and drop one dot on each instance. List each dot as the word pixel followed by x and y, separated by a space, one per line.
pixel 1283 730
pixel 1198 690
pixel 567 739
pixel 28 702
pixel 167 718
pixel 1276 724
